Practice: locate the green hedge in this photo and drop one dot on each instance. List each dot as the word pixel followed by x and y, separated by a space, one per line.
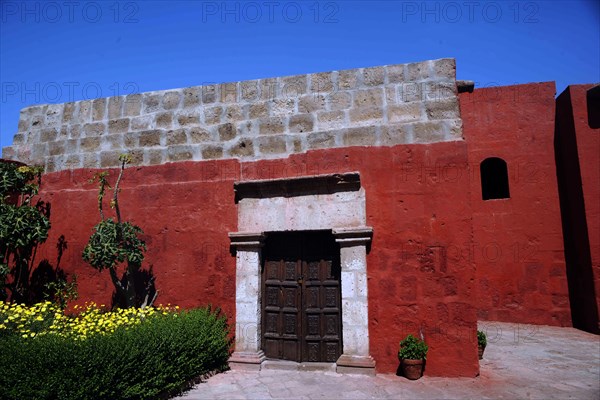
pixel 145 361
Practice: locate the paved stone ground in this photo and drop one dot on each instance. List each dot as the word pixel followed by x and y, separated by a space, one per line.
pixel 520 362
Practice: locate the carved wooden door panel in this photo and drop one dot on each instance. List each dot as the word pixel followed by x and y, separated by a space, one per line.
pixel 301 297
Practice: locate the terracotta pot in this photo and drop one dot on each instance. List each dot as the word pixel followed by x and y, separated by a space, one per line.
pixel 481 350
pixel 412 369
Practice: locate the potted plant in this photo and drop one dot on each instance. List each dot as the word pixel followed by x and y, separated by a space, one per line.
pixel 412 356
pixel 481 343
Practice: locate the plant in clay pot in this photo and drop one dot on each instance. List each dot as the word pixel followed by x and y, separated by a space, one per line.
pixel 412 356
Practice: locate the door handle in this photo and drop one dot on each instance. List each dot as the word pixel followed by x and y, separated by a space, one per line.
pixel 300 280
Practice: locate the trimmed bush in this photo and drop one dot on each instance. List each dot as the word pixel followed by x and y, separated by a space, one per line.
pixel 140 362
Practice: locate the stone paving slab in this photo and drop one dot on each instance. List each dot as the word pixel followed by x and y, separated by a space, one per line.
pixel 520 362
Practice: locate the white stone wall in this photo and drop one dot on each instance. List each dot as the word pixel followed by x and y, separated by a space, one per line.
pixel 249 120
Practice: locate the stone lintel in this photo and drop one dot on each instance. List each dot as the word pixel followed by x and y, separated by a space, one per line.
pixel 354 236
pixel 297 186
pixel 350 364
pixel 242 240
pixel 247 360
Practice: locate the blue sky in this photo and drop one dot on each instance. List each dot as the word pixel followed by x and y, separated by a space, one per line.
pixel 59 51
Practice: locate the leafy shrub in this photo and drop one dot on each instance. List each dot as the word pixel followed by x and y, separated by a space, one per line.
pixel 481 339
pixel 143 361
pixel 412 348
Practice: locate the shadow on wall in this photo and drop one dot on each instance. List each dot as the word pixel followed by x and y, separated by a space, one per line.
pixel 145 290
pixel 582 296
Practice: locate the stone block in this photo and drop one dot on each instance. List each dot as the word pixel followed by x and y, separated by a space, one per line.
pixel 373 76
pixel 242 148
pixel 54 114
pixel 68 113
pixel 212 115
pixel 395 73
pixel 75 131
pixel 293 86
pixel 112 142
pixel 48 134
pixel 56 148
pixel 211 152
pixel 272 125
pixel 84 113
pixel 209 93
pixel 360 136
pixel 177 136
pixel 18 138
pixel 226 131
pixel 197 134
pixel 283 107
pixel 141 123
pixel 442 109
pixel 151 102
pixel 109 159
pixel 321 82
pixel 130 139
pixel 321 140
pixel 455 128
pixel 369 97
pixel 429 132
pixel 311 103
pixel 73 161
pixel 417 71
pixel 24 125
pixel 118 125
pixel 71 146
pixel 301 123
pixel 438 90
pixel 272 145
pixel 89 144
pixel 154 156
pixel 39 151
pixel 132 105
pixel 180 153
pixel 37 121
pixel 445 68
pixel 366 114
pixel 171 100
pixel 99 109
pixel 115 107
pixel 163 120
pixel 249 90
pixel 406 112
pixel 90 160
pixel 268 89
pixel 229 92
pixel 94 129
pixel 191 96
pixel 234 113
pixel 331 119
pixel 188 118
pixel 9 153
pixel 149 138
pixel 258 110
pixel 347 79
pixel 392 135
pixel 340 100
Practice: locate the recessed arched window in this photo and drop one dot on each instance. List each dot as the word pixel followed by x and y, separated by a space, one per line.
pixel 494 179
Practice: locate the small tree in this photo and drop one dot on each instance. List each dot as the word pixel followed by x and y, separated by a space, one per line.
pixel 23 226
pixel 116 242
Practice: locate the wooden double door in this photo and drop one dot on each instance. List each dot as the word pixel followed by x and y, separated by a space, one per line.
pixel 301 296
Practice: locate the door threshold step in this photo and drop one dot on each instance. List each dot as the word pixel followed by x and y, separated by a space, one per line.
pixel 296 366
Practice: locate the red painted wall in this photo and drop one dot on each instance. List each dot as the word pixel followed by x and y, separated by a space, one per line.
pixel 521 275
pixel 420 277
pixel 578 163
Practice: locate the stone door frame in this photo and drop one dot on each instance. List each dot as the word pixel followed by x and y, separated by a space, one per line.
pixel 333 202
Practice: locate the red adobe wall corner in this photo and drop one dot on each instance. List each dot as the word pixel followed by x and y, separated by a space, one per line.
pixel 518 248
pixel 578 163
